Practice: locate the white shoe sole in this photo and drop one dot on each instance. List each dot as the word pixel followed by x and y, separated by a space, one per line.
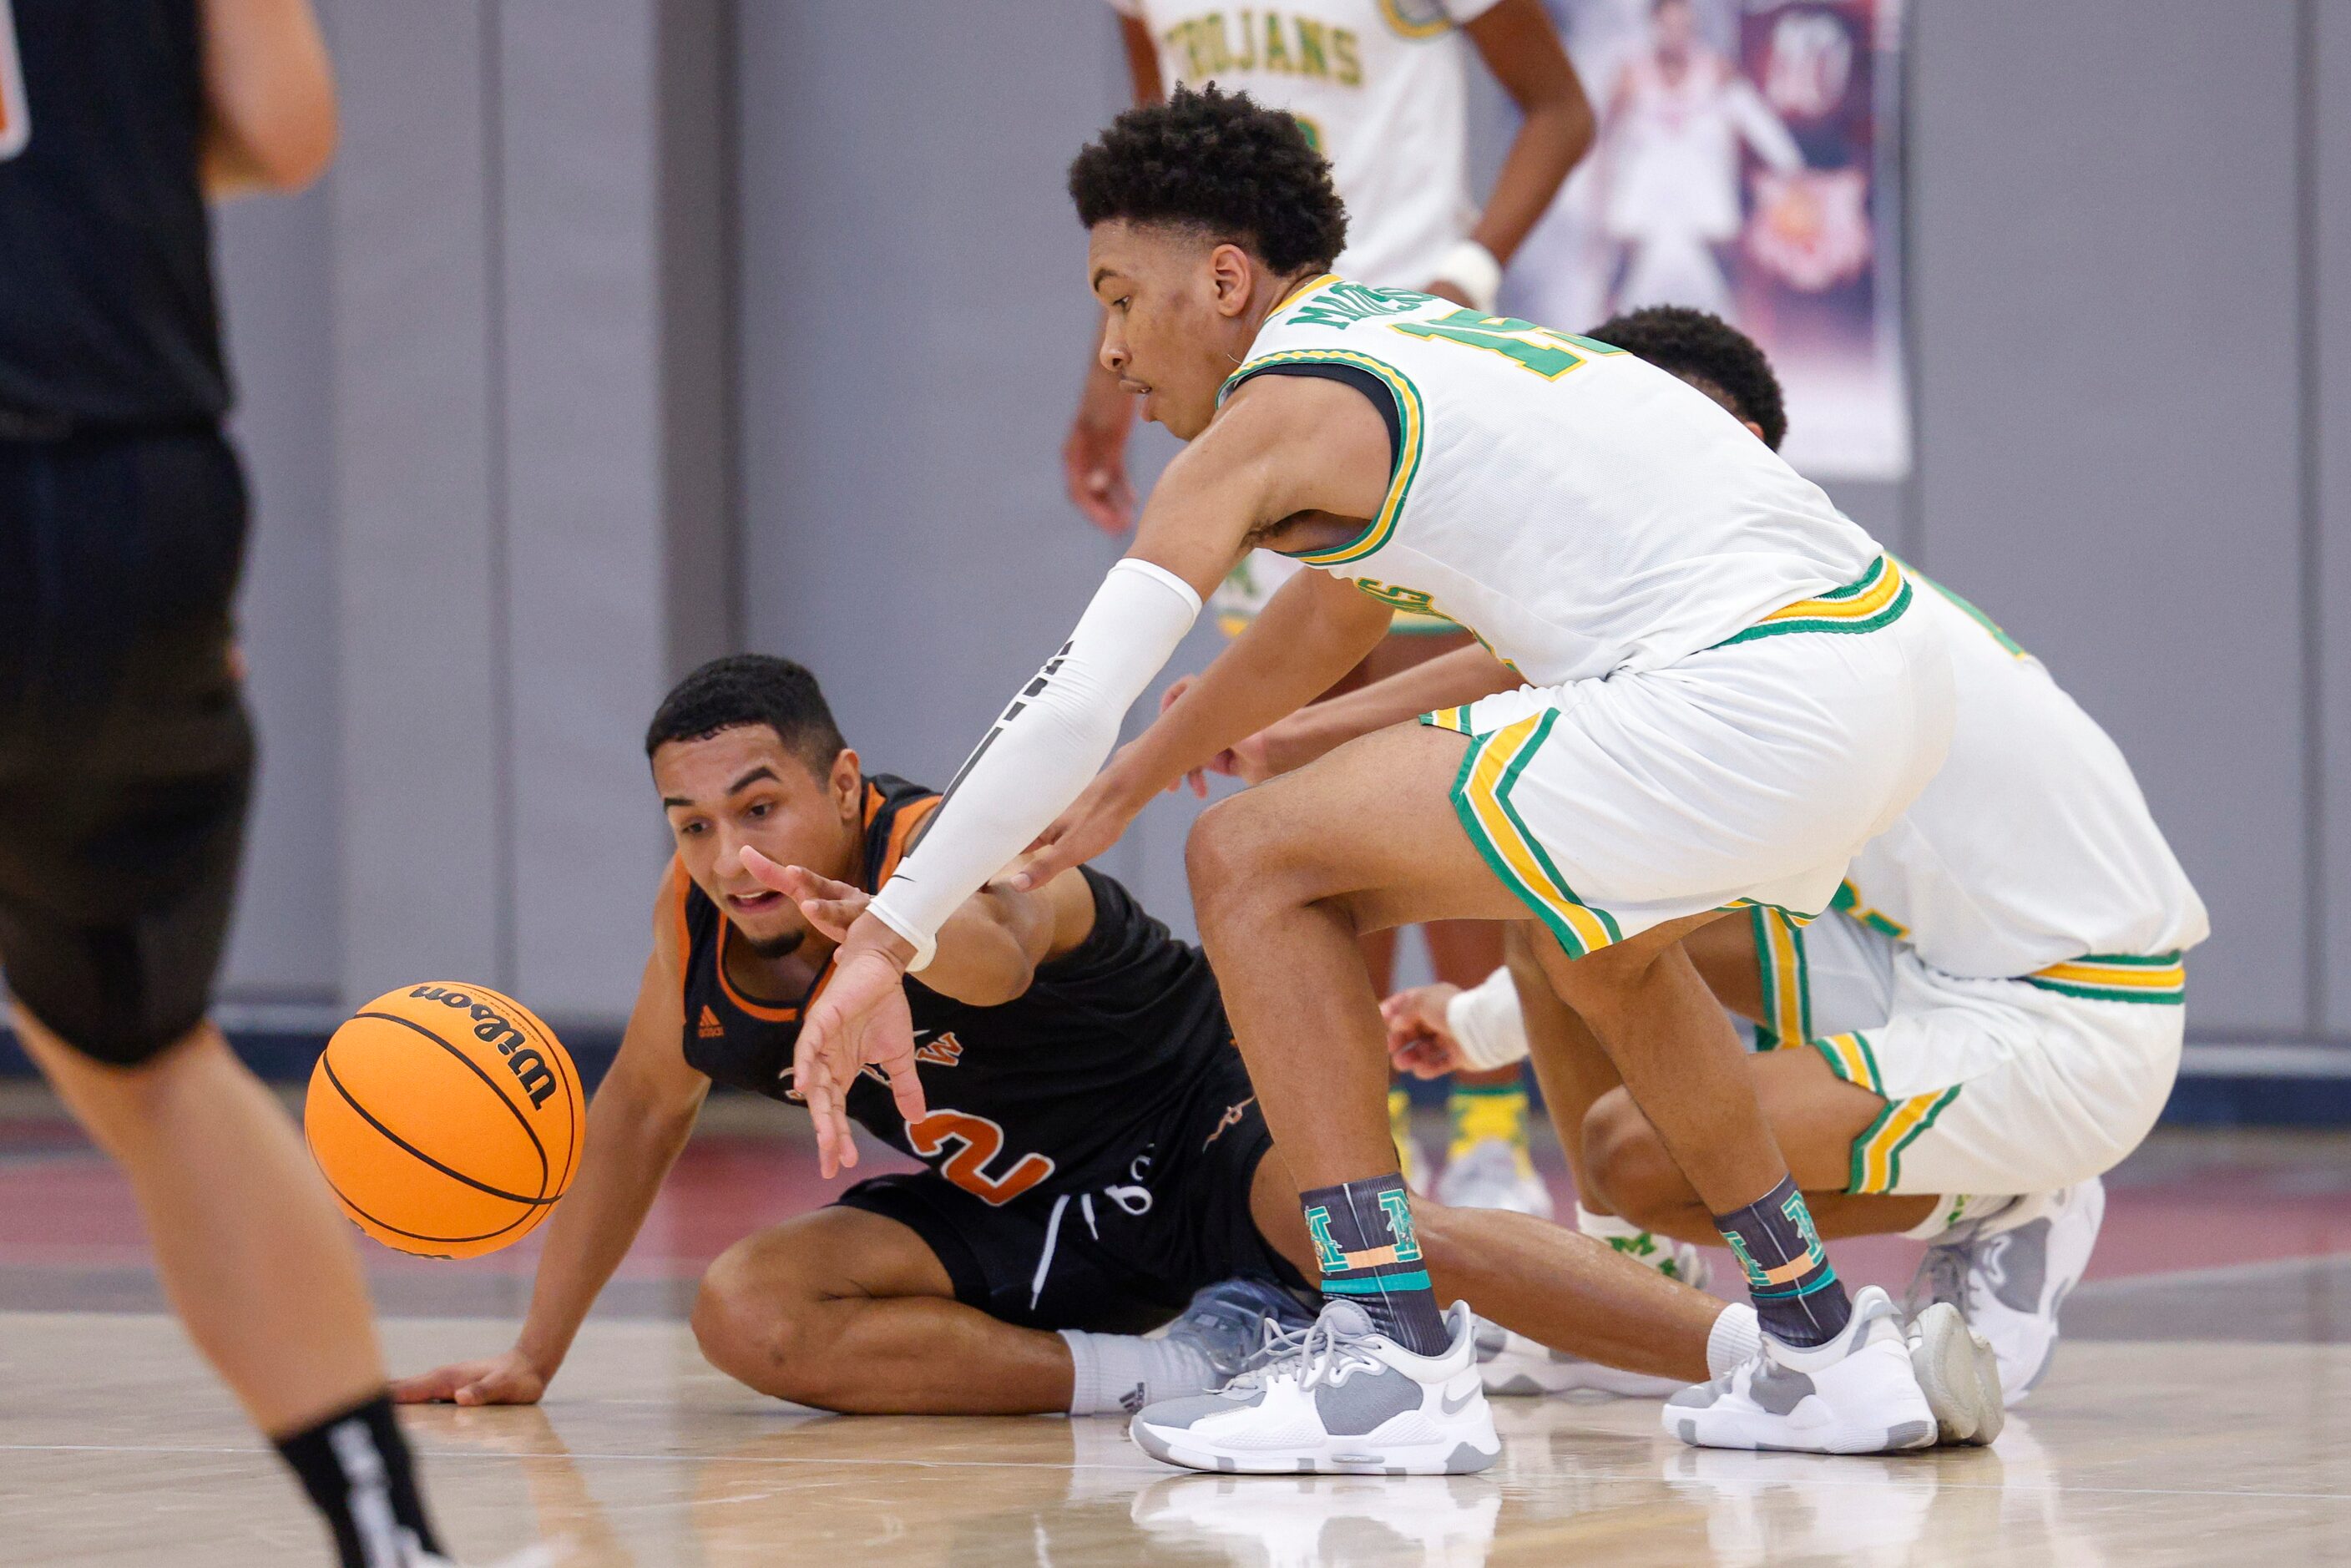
pixel 1960 1376
pixel 1902 1420
pixel 1407 1450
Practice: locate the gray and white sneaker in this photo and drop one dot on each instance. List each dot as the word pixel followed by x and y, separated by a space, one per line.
pixel 1336 1397
pixel 1856 1394
pixel 1959 1375
pixel 2009 1275
pixel 1494 1173
pixel 1231 1322
pixel 1511 1364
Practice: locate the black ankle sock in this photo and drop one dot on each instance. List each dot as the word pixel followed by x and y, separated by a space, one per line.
pixel 1797 1295
pixel 355 1466
pixel 1370 1257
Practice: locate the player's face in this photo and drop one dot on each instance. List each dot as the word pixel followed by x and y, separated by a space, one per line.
pixel 1676 27
pixel 1173 316
pixel 744 786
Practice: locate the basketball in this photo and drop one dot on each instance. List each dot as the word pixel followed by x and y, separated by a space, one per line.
pixel 446 1118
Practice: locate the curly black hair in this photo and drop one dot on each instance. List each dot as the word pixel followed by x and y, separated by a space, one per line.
pixel 746 689
pixel 1710 353
pixel 1222 163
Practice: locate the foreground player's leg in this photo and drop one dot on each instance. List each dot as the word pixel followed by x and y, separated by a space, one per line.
pixel 852 1310
pixel 260 1269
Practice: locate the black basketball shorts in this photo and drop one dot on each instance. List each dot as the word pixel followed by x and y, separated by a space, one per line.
pixel 126 756
pixel 1118 1255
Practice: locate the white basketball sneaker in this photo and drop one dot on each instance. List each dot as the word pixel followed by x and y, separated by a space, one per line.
pixel 1959 1375
pixel 1494 1173
pixel 1336 1397
pixel 2009 1275
pixel 1856 1394
pixel 1511 1364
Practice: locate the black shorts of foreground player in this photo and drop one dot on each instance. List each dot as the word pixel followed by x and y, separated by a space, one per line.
pixel 1095 1156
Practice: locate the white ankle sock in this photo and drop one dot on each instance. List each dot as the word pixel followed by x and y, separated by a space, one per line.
pixel 1607 1227
pixel 1119 1374
pixel 1735 1338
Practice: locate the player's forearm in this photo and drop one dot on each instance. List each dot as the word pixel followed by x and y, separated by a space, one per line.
pixel 1556 125
pixel 1461 676
pixel 988 948
pixel 626 1156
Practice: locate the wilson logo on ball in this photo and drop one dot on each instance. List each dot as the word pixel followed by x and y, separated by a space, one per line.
pixel 492 1028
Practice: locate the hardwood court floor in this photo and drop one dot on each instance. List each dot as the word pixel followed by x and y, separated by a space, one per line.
pixel 114 1448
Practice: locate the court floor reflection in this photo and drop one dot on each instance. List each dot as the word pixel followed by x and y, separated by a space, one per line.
pixel 116 1449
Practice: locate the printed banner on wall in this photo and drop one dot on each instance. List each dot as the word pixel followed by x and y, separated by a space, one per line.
pixel 1748 163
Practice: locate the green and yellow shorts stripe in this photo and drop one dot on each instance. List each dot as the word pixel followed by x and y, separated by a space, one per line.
pixel 2160 979
pixel 1481 799
pixel 1875 598
pixel 1877 1153
pixel 1787 1020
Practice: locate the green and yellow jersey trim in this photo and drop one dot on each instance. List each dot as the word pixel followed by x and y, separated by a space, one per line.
pixel 2160 979
pixel 1877 598
pixel 1411 422
pixel 1324 280
pixel 1787 1020
pixel 1404 27
pixel 1481 799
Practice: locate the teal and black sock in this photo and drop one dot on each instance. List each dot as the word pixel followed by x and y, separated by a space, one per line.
pixel 1370 1256
pixel 1797 1295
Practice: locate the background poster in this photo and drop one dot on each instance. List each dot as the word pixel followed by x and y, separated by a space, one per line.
pixel 1748 163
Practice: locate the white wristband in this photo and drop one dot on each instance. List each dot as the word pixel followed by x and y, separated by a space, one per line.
pixel 1471 267
pixel 1487 1028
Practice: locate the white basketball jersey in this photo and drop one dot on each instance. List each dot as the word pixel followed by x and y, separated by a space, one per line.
pixel 1380 87
pixel 2033 844
pixel 1583 511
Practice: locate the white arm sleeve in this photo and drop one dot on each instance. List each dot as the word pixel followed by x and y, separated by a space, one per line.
pixel 1489 1030
pixel 1046 747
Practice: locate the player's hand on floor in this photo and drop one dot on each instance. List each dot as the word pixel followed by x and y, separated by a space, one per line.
pixel 859 1018
pixel 830 907
pixel 1419 1040
pixel 509 1379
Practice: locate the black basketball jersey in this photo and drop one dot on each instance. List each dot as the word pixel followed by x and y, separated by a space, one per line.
pixel 107 311
pixel 1054 1091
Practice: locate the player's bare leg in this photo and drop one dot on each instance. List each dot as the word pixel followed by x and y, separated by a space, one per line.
pixel 1283 878
pixel 848 1310
pixel 253 1255
pixel 852 1310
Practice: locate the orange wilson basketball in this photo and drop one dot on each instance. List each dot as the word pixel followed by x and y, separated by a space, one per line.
pixel 447 1119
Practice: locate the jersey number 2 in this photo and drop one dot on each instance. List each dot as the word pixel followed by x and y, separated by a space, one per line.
pixel 16 120
pixel 982 1141
pixel 1548 354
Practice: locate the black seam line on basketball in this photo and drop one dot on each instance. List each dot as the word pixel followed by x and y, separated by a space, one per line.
pixel 558 1058
pixel 348 1099
pixel 475 1069
pixel 345 1199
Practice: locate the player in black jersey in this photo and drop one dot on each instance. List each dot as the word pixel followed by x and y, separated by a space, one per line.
pixel 1095 1157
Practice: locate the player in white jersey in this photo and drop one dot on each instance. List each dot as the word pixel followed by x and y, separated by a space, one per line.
pixel 1993 1002
pixel 1381 88
pixel 1732 701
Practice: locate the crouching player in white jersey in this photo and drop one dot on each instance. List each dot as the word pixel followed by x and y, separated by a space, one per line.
pixel 1768 707
pixel 1992 1005
pixel 1382 89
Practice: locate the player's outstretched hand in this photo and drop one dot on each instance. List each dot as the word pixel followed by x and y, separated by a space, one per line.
pixel 1091 824
pixel 858 1019
pixel 1419 1041
pixel 830 907
pixel 509 1379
